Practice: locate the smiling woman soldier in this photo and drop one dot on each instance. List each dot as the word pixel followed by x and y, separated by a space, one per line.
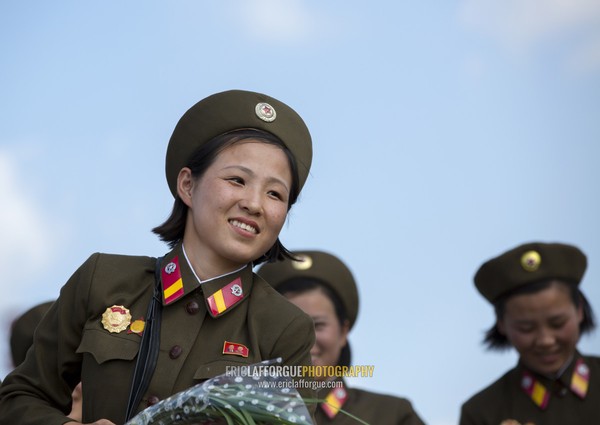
pixel 541 312
pixel 135 330
pixel 324 288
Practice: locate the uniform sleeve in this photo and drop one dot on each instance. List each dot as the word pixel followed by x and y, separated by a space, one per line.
pixel 293 346
pixel 296 341
pixel 467 416
pixel 38 392
pixel 411 417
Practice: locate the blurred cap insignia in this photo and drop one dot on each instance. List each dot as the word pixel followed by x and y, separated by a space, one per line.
pixel 115 319
pixel 531 260
pixel 265 112
pixel 304 262
pixel 235 349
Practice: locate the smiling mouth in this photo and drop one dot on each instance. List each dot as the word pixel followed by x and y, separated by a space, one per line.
pixel 244 226
pixel 549 357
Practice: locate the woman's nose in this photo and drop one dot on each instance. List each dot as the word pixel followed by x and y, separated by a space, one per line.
pixel 251 202
pixel 545 338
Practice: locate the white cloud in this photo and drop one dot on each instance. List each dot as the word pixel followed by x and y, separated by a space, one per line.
pixel 524 25
pixel 276 21
pixel 24 244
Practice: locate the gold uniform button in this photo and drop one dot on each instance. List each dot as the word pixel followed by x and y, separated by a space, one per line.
pixel 175 352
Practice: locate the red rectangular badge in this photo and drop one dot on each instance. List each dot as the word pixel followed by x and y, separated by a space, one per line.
pixel 235 349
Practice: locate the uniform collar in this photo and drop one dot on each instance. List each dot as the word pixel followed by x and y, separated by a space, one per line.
pixel 575 378
pixel 335 400
pixel 221 293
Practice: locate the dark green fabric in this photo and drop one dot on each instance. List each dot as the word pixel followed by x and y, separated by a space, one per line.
pixel 72 345
pixel 373 408
pixel 505 399
pixel 232 110
pixel 506 272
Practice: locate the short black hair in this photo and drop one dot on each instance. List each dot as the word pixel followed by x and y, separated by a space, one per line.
pixel 494 340
pixel 300 285
pixel 172 230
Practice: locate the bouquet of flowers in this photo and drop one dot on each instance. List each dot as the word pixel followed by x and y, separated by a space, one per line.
pixel 231 400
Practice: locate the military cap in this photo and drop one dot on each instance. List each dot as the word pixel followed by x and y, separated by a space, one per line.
pixel 316 265
pixel 227 111
pixel 529 263
pixel 21 335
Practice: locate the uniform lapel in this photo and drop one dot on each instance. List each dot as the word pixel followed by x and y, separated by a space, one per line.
pixel 576 378
pixel 225 293
pixel 535 389
pixel 580 378
pixel 334 401
pixel 177 278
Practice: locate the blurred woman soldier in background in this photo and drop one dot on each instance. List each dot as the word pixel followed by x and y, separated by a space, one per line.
pixel 21 338
pixel 321 285
pixel 541 312
pixel 236 163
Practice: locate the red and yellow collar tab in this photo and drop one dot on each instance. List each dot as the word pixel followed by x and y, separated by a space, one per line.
pixel 221 294
pixel 540 395
pixel 334 401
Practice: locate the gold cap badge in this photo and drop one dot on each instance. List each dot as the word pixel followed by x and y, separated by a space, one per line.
pixel 531 260
pixel 116 319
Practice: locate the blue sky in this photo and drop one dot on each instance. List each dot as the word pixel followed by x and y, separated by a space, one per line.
pixel 444 133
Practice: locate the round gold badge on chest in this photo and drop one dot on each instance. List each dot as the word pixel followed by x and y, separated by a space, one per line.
pixel 116 319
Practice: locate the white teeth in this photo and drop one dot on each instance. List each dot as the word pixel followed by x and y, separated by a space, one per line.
pixel 244 226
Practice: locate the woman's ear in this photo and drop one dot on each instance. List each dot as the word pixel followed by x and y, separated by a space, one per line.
pixel 344 331
pixel 580 312
pixel 185 186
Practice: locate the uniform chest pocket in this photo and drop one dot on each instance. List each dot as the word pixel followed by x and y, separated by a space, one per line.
pixel 104 346
pixel 220 367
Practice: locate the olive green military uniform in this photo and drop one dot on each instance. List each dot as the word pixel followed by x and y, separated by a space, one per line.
pixel 92 333
pixel 192 346
pixel 373 408
pixel 510 397
pixel 521 395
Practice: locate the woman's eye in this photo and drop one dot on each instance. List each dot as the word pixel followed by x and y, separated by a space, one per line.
pixel 275 194
pixel 558 324
pixel 237 180
pixel 319 325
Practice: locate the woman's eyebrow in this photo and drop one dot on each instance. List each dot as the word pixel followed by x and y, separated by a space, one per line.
pixel 252 173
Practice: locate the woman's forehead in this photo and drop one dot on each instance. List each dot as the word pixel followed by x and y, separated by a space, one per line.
pixel 547 299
